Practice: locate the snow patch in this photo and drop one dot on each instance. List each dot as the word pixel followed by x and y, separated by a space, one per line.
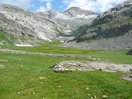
pixel 24 45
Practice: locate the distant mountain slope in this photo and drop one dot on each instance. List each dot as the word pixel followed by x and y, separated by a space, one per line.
pixel 20 22
pixel 69 20
pixel 121 11
pixel 50 25
pixel 73 12
pixel 113 23
pixel 78 12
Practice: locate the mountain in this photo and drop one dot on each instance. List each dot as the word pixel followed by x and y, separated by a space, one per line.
pixel 73 12
pixel 69 20
pixel 78 12
pixel 21 23
pixel 110 30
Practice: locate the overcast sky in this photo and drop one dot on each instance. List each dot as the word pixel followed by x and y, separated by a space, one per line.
pixel 61 5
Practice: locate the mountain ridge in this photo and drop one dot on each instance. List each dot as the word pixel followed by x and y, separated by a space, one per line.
pixel 113 26
pixel 74 24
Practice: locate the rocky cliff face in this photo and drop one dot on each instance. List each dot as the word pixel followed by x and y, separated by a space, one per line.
pixel 117 22
pixel 23 23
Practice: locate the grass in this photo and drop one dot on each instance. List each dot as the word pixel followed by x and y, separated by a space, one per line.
pixel 116 56
pixel 4 37
pixel 29 76
pixel 20 80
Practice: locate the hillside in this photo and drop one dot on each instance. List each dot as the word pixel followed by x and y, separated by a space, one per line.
pixel 114 26
pixel 74 54
pixel 22 23
pixel 29 27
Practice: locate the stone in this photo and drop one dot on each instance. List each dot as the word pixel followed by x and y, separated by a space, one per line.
pixel 104 97
pixel 91 66
pixel 128 77
pixel 42 78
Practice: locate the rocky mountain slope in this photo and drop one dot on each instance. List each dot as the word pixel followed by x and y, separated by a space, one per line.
pixel 110 30
pixel 19 23
pixel 69 20
pixel 22 25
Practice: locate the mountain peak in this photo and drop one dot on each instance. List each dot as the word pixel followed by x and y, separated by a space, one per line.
pixel 74 8
pixel 74 11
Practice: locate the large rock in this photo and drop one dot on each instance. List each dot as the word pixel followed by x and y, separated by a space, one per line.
pixel 91 66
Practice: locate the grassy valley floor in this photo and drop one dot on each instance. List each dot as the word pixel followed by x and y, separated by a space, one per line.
pixel 29 76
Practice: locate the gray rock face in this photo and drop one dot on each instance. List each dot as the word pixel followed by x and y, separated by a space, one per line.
pixel 112 24
pixel 92 66
pixel 123 10
pixel 128 77
pixel 121 42
pixel 20 22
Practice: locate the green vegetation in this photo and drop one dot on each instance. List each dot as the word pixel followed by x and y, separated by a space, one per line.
pixel 116 56
pixel 129 52
pixel 4 37
pixel 121 21
pixel 29 77
pixel 4 20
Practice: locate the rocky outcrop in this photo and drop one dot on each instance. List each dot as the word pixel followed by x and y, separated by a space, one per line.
pixel 91 66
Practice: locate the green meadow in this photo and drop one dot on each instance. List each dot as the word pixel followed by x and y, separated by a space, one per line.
pixel 29 76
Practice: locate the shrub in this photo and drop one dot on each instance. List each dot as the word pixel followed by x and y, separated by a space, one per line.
pixel 129 52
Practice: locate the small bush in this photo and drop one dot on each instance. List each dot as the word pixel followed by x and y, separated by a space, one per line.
pixel 129 52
